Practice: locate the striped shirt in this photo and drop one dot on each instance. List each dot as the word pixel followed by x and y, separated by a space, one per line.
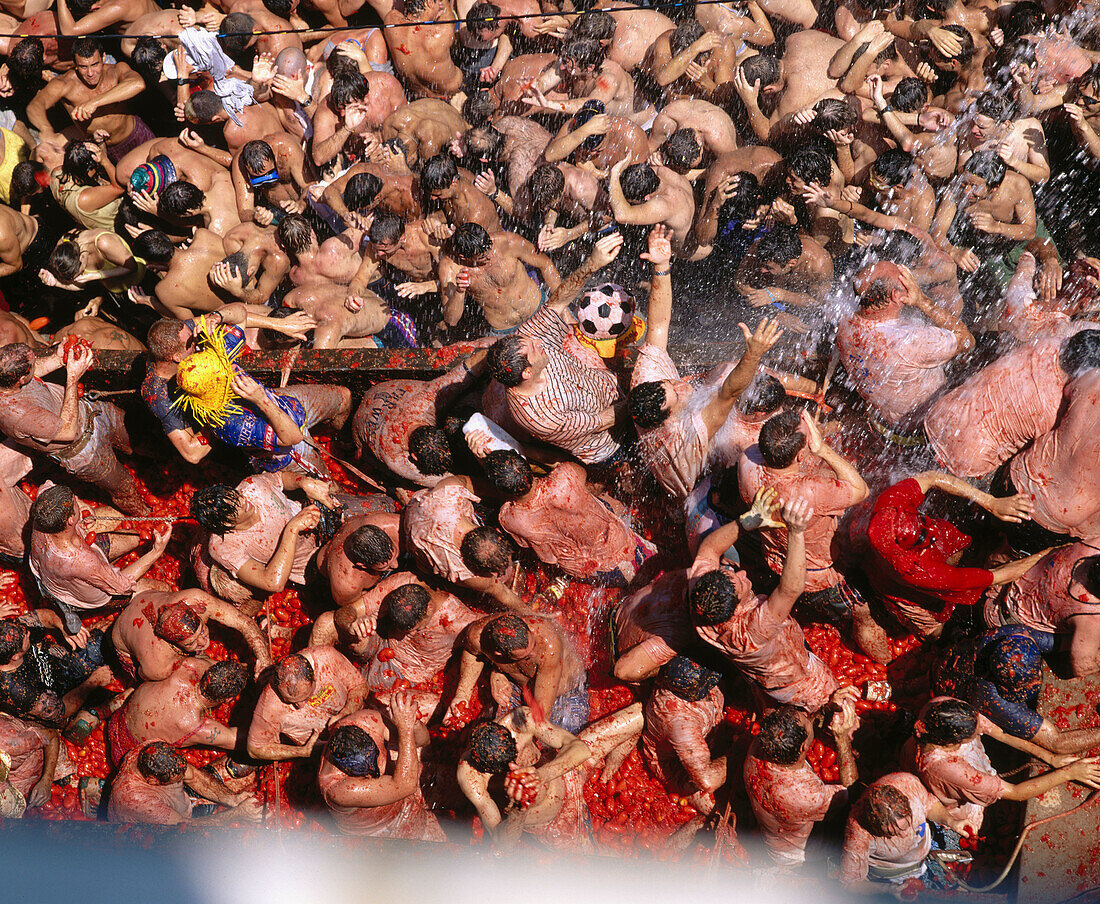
pixel 567 412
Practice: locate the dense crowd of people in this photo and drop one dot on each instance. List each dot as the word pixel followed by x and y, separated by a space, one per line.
pixel 883 208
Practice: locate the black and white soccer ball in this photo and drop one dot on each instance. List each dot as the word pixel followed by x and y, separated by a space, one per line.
pixel 605 312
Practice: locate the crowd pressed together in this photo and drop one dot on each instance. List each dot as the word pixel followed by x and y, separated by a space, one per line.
pixel 885 205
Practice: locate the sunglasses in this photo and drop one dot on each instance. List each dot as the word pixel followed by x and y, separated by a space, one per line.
pixel 265 179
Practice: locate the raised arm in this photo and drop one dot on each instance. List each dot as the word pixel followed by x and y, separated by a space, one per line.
pixel 273 575
pixel 604 252
pixel 757 343
pixel 659 255
pixel 845 471
pixel 792 581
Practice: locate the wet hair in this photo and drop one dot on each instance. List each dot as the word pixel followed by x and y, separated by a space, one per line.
pixel 681 150
pixel 948 722
pixel 810 165
pixel 894 166
pixel 52 509
pixel 901 247
pixel 764 395
pixel 486 551
pixel 404 607
pixel 216 507
pixel 176 622
pixel 780 440
pixel 180 199
pixel 26 61
pixel 386 227
pixel 353 752
pixel 780 246
pixel 80 164
pixel 281 8
pixel 415 7
pixel 479 107
pixel 368 546
pixel 361 191
pixel 595 24
pixel 833 113
pixel 438 173
pixel 148 57
pixel 470 240
pixel 637 181
pixel 430 450
pixel 761 67
pixel 583 51
pixel 966 51
pixel 64 260
pixel 483 17
pixel 508 472
pixel 160 760
pixel 713 598
pixel 348 89
pixel 988 166
pixel 294 667
pixel 224 681
pixel 505 633
pixel 1080 352
pixel 163 339
pixel 546 185
pixel 687 679
pixel 880 810
pixel 491 749
pixel 12 635
pixel 294 234
pixel 15 363
pixel 1025 18
pixel 236 32
pixel 203 106
pixel 878 293
pixel 153 247
pixel 254 157
pixel 997 107
pixel 339 63
pixel 684 35
pixel 744 202
pixel 88 46
pixel 27 179
pixel 506 361
pixel 910 95
pixel 782 734
pixel 646 403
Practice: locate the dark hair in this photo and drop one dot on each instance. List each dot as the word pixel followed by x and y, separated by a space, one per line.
pixel 215 507
pixel 780 440
pixel 148 57
pixel 1080 352
pixel 948 722
pixel 880 809
pixel 834 113
pixel 910 95
pixel 681 151
pixel 988 166
pixel 24 180
pixel 163 339
pixel 646 404
pixel 415 7
pixel 64 260
pixel 505 633
pixel 482 17
pixel 762 67
pixel 781 246
pixel 153 246
pixel 637 181
pixel 26 60
pixel 1025 18
pixel 12 635
pixel 744 202
pixel 404 607
pixel 224 681
pixel 491 749
pixel 236 32
pixel 508 472
pixel 479 107
pixel 87 46
pixel 368 546
pixel 160 760
pixel 713 598
pixel 546 185
pixel 583 51
pixel 175 622
pixel 348 89
pixel 339 63
pixel 782 734
pixel 294 667
pixel 180 199
pixel 294 234
pixel 438 173
pixel 506 360
pixel 80 163
pixel 901 247
pixel 810 165
pixel 203 106
pixel 764 395
pixel 684 35
pixel 15 363
pixel 894 166
pixel 387 227
pixel 486 551
pixel 254 156
pixel 281 8
pixel 430 450
pixel 353 752
pixel 361 191
pixel 52 509
pixel 687 679
pixel 596 24
pixel 996 106
pixel 966 51
pixel 470 240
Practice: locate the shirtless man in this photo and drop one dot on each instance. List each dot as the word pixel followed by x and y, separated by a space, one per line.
pixel 191 159
pixel 307 693
pixel 633 33
pixel 79 435
pixel 269 177
pixel 356 782
pixel 490 269
pixel 1020 143
pixel 335 260
pixel 421 52
pixel 362 552
pixel 255 121
pixel 597 141
pixel 78 576
pixel 456 195
pixel 179 709
pixel 655 195
pixel 95 94
pixel 340 129
pixel 377 188
pixel 100 17
pixel 157 630
pixel 185 289
pixel 711 126
pixel 338 326
pixel 534 655
pixel 254 264
pixel 688 62
pixel 410 249
pixel 102 335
